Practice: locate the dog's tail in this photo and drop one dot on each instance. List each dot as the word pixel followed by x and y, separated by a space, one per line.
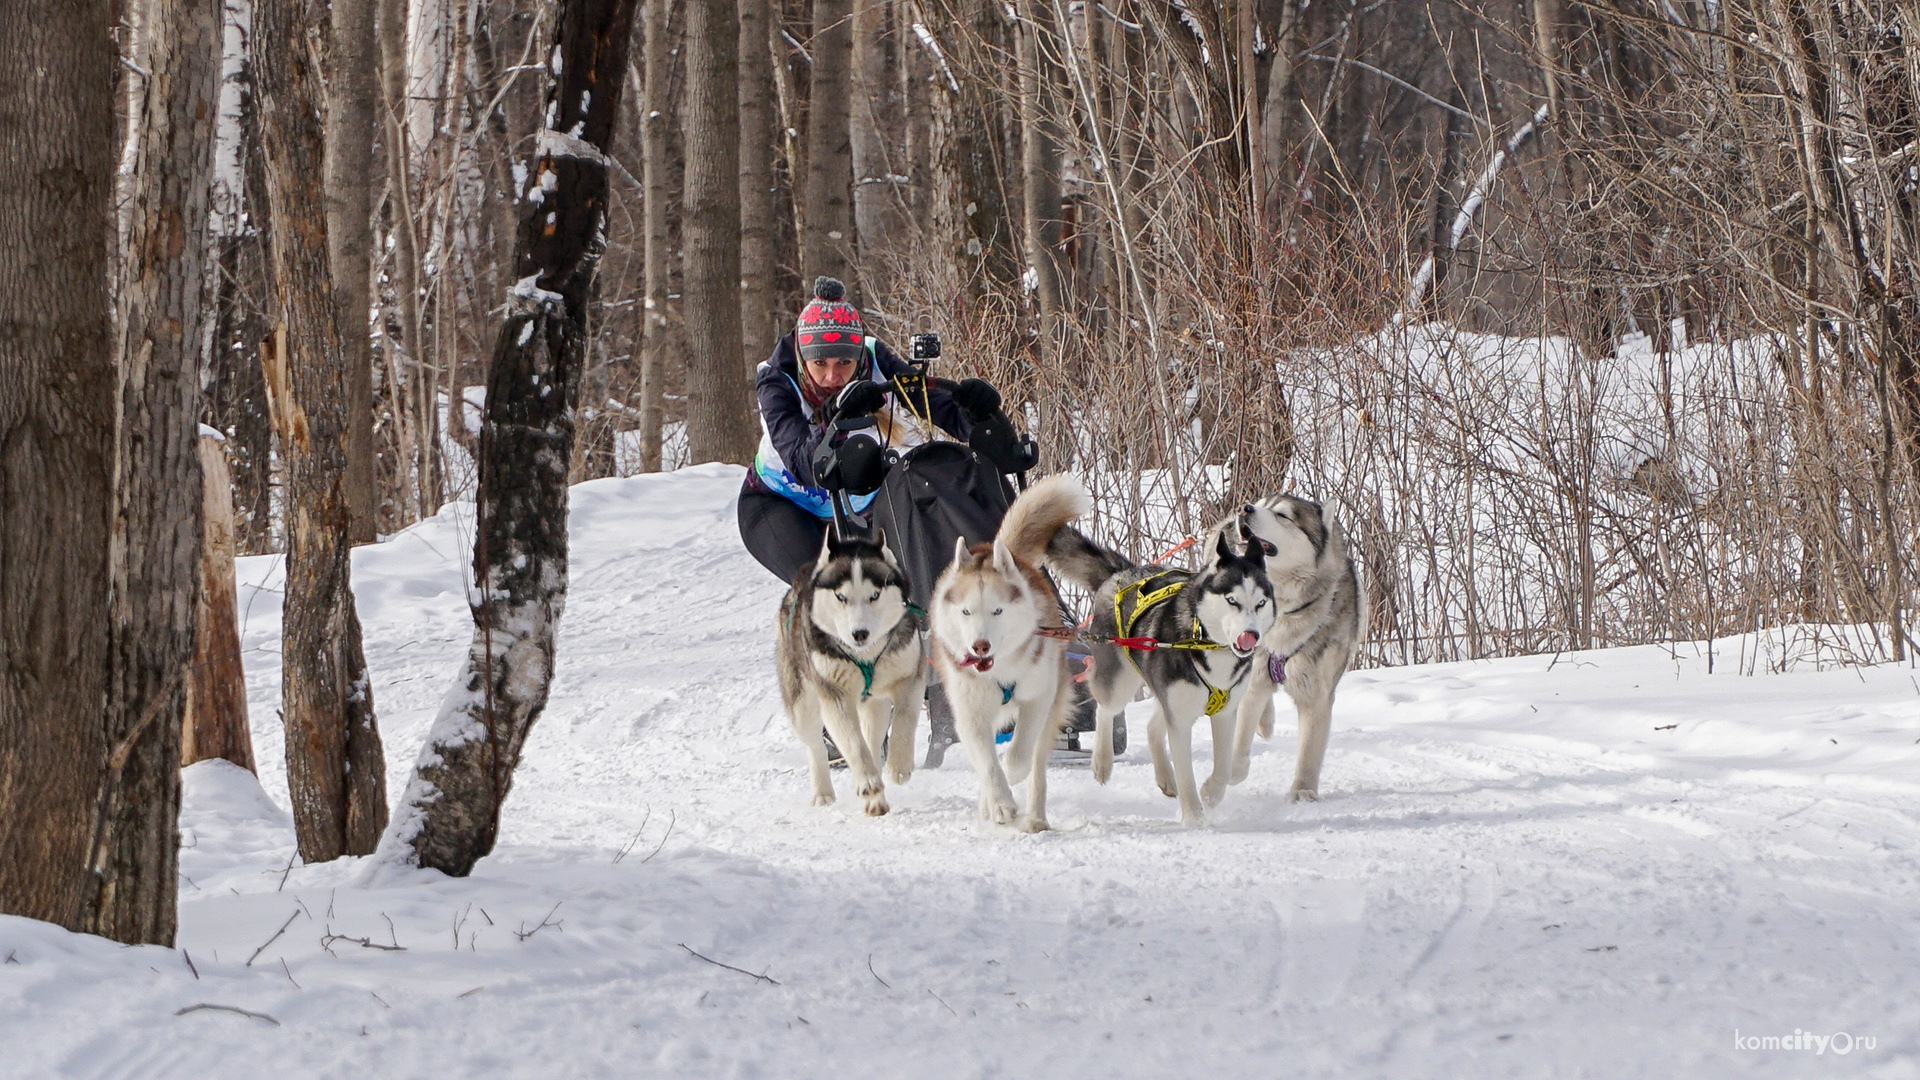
pixel 1081 560
pixel 1039 514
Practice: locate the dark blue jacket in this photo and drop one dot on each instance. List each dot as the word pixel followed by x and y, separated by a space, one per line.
pixel 795 431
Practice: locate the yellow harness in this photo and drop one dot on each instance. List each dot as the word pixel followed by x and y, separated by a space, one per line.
pixel 1145 601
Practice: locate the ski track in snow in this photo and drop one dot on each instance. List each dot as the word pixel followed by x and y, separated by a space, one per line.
pixel 1511 873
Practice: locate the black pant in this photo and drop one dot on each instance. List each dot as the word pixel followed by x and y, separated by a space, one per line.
pixel 784 537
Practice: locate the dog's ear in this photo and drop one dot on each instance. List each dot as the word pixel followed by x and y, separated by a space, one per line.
pixel 1004 563
pixel 959 550
pixel 1223 551
pixel 826 552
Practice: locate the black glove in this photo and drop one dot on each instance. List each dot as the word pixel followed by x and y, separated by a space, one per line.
pixel 857 399
pixel 977 397
pixel 995 439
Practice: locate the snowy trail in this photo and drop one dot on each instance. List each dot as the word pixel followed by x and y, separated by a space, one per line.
pixel 1514 872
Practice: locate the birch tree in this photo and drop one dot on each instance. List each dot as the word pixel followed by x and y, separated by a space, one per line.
pixel 450 813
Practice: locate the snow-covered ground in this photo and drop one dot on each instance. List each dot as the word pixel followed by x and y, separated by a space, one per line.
pixel 1605 864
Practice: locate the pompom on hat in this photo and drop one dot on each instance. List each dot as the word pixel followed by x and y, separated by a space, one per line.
pixel 829 326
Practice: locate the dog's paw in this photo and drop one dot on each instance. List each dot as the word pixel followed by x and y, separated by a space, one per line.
pixel 1193 820
pixel 1240 769
pixel 1167 786
pixel 875 804
pixel 1030 824
pixel 998 811
pixel 900 772
pixel 823 800
pixel 1212 791
pixel 1303 794
pixel 1102 763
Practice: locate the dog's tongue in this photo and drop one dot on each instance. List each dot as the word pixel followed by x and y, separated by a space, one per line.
pixel 1246 641
pixel 983 664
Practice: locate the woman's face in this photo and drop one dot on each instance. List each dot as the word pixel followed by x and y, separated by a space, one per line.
pixel 831 372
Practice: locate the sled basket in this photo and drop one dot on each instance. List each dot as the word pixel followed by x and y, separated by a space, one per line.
pixel 939 491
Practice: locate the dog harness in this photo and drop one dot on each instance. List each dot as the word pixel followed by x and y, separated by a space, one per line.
pixel 1145 601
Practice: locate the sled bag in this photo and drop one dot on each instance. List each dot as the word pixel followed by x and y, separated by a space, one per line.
pixel 939 491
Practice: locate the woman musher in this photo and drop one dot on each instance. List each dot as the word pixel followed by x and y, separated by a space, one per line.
pixel 828 369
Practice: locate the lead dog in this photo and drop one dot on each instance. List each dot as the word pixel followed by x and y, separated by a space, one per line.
pixel 851 664
pixel 1189 635
pixel 1001 648
pixel 1322 613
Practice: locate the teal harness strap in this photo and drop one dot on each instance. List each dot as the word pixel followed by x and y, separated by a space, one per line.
pixel 866 674
pixel 1006 692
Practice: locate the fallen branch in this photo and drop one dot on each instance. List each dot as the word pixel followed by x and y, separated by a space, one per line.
pixel 729 967
pixel 271 940
pixel 228 1008
pixel 364 943
pixel 875 974
pixel 544 923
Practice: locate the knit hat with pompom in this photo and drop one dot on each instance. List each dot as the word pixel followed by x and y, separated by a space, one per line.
pixel 829 326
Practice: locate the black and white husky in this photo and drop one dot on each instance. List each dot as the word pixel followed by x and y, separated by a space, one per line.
pixel 1189 635
pixel 1321 616
pixel 1001 648
pixel 851 665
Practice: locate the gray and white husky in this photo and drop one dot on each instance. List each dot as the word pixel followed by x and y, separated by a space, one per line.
pixel 1189 635
pixel 851 664
pixel 1000 646
pixel 1321 616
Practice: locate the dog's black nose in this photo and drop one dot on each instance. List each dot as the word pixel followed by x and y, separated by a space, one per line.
pixel 1247 509
pixel 860 637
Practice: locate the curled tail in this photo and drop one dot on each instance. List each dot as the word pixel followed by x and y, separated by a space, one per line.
pixel 1081 560
pixel 1039 514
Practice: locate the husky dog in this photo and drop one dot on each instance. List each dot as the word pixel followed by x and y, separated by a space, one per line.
pixel 851 662
pixel 1001 649
pixel 1321 615
pixel 1190 636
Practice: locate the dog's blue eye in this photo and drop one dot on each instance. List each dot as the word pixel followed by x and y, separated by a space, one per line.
pixel 1259 605
pixel 875 596
pixel 840 596
pixel 997 611
pixel 1232 603
pixel 964 611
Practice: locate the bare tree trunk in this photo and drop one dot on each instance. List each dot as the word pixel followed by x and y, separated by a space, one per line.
pixel 718 425
pixel 156 530
pixel 654 169
pixel 352 88
pixel 828 240
pixel 873 195
pixel 451 810
pixel 237 390
pixel 1040 160
pixel 215 721
pixel 56 448
pixel 757 333
pixel 335 768
pixel 412 391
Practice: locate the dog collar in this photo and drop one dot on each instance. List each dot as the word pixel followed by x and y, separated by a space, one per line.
pixel 866 676
pixel 1277 668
